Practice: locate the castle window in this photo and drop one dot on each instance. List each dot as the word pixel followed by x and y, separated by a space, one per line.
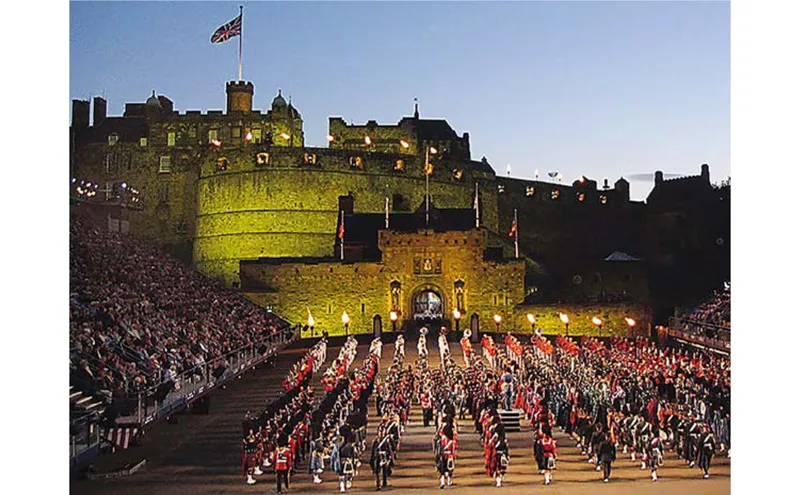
pixel 262 159
pixel 363 308
pixel 163 192
pixel 554 194
pixel 603 199
pixel 529 191
pixel 399 166
pixel 213 135
pixel 113 139
pixel 236 132
pixel 309 159
pixel 143 142
pixel 457 173
pixel 171 138
pixel 165 164
pixel 222 164
pixel 501 188
pixel 581 197
pixel 357 162
pixel 256 136
pixel 193 132
pixel 111 163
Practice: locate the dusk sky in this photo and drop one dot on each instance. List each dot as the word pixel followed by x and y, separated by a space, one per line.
pixel 602 89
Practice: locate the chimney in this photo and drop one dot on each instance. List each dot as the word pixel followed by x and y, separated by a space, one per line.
pixel 99 114
pixel 80 113
pixel 659 177
pixel 704 173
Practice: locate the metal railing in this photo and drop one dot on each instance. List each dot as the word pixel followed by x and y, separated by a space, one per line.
pixel 148 406
pixel 705 334
pixel 156 402
pixel 84 437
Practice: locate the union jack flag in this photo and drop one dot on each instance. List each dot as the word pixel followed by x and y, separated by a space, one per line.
pixel 227 31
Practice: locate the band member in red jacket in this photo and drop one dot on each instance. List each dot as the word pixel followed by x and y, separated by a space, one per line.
pixel 550 453
pixel 283 461
pixel 447 456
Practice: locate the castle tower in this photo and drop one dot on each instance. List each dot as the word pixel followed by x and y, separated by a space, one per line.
pixel 659 177
pixel 287 124
pixel 80 113
pixel 100 110
pixel 240 96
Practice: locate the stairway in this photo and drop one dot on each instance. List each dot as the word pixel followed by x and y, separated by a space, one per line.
pixel 511 419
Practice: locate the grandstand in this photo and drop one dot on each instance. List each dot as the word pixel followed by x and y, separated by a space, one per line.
pixel 148 335
pixel 708 324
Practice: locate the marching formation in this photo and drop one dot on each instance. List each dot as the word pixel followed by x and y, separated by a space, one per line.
pixel 624 397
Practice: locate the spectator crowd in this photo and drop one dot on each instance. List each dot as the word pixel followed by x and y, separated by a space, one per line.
pixel 140 318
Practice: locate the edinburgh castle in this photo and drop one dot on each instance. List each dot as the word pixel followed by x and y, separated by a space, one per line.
pixel 348 228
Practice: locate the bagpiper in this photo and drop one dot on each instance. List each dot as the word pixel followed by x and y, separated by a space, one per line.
pixel 250 457
pixel 550 454
pixel 446 461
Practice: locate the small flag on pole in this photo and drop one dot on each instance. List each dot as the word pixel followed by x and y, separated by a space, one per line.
pixel 341 229
pixel 513 229
pixel 228 31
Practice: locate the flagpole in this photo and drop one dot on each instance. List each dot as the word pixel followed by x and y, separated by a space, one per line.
pixel 241 34
pixel 387 212
pixel 427 187
pixel 516 235
pixel 341 243
pixel 477 208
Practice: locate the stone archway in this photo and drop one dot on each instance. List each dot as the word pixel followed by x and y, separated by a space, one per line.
pixel 427 307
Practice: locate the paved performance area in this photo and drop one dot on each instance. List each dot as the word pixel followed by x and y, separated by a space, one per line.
pixel 201 454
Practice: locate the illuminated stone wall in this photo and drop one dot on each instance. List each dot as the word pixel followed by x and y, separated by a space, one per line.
pixel 364 290
pixel 289 208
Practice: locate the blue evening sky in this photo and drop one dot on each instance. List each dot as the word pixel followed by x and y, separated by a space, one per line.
pixel 603 89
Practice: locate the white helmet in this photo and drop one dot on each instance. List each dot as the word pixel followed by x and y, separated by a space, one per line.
pixel 467 333
pixel 424 331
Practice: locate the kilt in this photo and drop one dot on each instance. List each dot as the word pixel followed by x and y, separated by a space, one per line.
pixel 445 464
pixel 249 461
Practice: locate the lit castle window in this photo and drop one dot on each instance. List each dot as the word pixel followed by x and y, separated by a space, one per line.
pixel 457 173
pixel 501 188
pixel 529 191
pixel 603 199
pixel 554 194
pixel 222 164
pixel 357 162
pixel 581 197
pixel 399 166
pixel 262 159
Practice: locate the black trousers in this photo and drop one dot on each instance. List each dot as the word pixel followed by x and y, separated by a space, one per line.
pixel 705 460
pixel 278 476
pixel 606 469
pixel 384 470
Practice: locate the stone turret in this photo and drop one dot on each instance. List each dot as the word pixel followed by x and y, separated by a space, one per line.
pixel 240 96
